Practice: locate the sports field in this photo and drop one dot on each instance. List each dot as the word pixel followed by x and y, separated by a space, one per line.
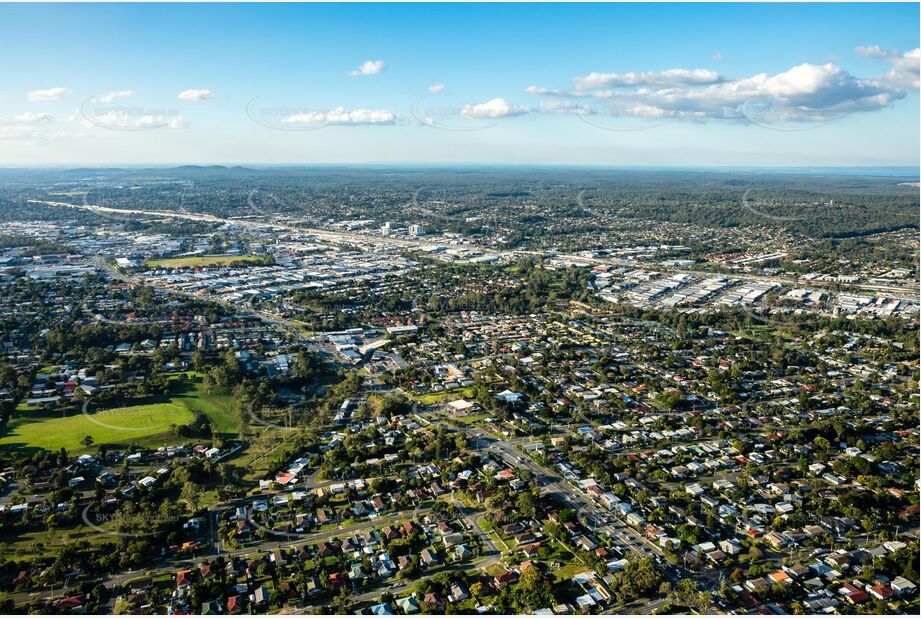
pixel 147 423
pixel 115 426
pixel 197 261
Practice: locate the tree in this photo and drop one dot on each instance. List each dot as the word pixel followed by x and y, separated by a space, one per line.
pixel 703 602
pixel 191 495
pixel 198 360
pixel 686 592
pixel 533 590
pixel 342 601
pixel 526 505
pixel 476 590
pixel 146 296
pixel 665 589
pixel 552 530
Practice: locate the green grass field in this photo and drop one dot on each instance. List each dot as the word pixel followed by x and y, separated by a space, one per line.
pixel 216 405
pixel 116 426
pixel 147 422
pixel 205 260
pixel 46 543
pixel 451 395
pixel 472 419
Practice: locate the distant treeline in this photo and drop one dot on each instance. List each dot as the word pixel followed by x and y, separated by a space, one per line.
pixel 474 199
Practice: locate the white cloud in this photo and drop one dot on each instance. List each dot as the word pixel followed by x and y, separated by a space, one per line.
pixel 565 107
pixel 195 94
pixel 800 80
pixel 717 57
pixel 494 108
pixel 116 94
pixel 33 118
pixel 49 94
pixel 906 69
pixel 436 88
pixel 670 77
pixel 804 92
pixel 641 110
pixel 125 121
pixel 870 51
pixel 368 67
pixel 342 116
pixel 549 92
pixel 169 122
pixel 38 127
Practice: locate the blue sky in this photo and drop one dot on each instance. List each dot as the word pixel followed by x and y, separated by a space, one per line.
pixel 642 84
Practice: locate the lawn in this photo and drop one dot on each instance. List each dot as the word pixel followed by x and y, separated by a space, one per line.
pixel 473 419
pixel 433 398
pixel 568 571
pixel 766 332
pixel 197 261
pixel 147 422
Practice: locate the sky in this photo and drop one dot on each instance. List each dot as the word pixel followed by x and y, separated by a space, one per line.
pixel 616 84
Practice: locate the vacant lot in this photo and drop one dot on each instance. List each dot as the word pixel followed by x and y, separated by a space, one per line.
pixel 200 261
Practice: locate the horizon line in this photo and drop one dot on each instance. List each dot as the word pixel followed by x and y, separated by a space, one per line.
pixel 447 165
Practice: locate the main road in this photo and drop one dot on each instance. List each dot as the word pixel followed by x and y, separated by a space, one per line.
pixel 552 483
